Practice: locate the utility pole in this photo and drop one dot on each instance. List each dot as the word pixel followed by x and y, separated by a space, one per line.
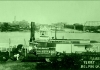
pixel 55 32
pixel 84 27
pixel 9 46
pixel 74 27
pixel 71 46
pixel 25 47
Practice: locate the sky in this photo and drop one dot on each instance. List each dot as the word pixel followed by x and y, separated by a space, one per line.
pixel 46 12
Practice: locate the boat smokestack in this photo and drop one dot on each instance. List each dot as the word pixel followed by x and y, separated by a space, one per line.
pixel 32 37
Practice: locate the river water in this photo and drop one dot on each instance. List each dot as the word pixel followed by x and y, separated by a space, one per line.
pixel 15 38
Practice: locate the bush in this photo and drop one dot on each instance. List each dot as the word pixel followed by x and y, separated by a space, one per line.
pixel 67 62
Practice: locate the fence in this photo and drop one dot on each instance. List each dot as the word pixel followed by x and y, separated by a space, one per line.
pixel 7 47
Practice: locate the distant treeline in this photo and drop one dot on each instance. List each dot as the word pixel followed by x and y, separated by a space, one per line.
pixel 13 27
pixel 81 27
pixel 16 26
pixel 24 25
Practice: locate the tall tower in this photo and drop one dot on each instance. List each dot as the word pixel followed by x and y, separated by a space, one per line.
pixel 14 19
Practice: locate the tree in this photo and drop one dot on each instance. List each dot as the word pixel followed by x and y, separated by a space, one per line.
pixel 4 26
pixel 37 26
pixel 78 26
pixel 23 24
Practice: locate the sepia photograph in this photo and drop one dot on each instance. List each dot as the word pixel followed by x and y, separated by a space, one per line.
pixel 49 35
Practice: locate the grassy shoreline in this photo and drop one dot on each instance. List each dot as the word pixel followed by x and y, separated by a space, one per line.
pixel 17 66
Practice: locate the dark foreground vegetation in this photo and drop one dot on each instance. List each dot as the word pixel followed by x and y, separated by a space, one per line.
pixel 72 62
pixel 63 62
pixel 31 61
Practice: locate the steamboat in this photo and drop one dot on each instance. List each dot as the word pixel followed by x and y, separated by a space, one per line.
pixel 79 53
